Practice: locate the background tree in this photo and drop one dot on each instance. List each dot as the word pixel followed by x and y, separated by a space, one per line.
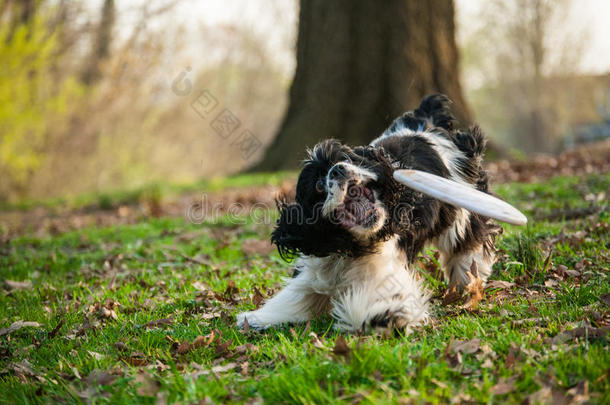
pixel 103 38
pixel 359 65
pixel 526 54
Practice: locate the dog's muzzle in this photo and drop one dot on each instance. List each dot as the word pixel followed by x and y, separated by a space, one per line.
pixel 349 201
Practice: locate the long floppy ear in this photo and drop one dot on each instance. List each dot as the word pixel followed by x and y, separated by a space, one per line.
pixel 288 234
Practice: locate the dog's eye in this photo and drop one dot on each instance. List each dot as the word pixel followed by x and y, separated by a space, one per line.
pixel 320 186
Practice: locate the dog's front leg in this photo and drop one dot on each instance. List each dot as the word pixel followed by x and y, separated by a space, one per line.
pixel 296 302
pixel 392 300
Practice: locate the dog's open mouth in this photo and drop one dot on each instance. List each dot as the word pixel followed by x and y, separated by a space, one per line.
pixel 358 207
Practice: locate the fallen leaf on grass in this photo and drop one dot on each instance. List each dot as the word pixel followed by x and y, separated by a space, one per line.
pixel 605 298
pixel 18 285
pixel 120 346
pixel 200 341
pixel 257 298
pixel 439 383
pixel 455 349
pixel 451 296
pixel 586 332
pixel 136 359
pixel 158 323
pixel 99 377
pixel 341 348
pixel 158 365
pixel 580 392
pixel 315 341
pixel 223 348
pixel 223 368
pixel 474 288
pixel 504 386
pixel 487 363
pixel 498 284
pixel 465 346
pixel 244 369
pixel 246 328
pixel 56 329
pixel 245 348
pixel 148 385
pixel 514 355
pixel 18 325
pixel 199 286
pixel 22 370
pixel 95 355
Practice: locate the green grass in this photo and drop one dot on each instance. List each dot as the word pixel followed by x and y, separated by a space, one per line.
pixel 151 270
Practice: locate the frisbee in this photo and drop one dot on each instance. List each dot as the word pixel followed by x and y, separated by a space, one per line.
pixel 460 195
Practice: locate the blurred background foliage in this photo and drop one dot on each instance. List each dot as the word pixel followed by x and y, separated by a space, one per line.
pixel 86 99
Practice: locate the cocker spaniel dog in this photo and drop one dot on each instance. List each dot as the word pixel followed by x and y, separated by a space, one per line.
pixel 356 231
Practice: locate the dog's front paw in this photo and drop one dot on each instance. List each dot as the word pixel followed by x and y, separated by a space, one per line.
pixel 253 321
pixel 396 321
pixel 388 322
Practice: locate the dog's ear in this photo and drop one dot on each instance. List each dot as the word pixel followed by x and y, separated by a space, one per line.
pixel 288 234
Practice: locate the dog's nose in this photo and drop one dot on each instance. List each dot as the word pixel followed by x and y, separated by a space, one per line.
pixel 337 172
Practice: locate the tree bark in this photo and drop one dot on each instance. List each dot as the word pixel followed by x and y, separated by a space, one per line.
pixel 101 46
pixel 360 64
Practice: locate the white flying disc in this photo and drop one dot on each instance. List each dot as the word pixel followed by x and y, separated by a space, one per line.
pixel 460 195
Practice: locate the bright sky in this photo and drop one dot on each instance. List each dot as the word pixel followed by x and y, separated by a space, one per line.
pixel 590 17
pixel 275 20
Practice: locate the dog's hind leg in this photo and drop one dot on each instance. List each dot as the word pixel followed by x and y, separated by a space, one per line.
pixel 469 239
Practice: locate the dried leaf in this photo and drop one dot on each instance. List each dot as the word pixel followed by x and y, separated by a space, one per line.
pixel 18 325
pixel 99 377
pixel 452 295
pixel 120 346
pixel 158 323
pixel 257 298
pixel 244 369
pixel 18 285
pixel 148 385
pixel 586 332
pixel 341 348
pixel 225 368
pixel 223 348
pixel 498 284
pixel 184 348
pixel 315 341
pixel 466 346
pixel 439 383
pixel 95 355
pixel 199 286
pixel 487 363
pixel 474 288
pixel 56 329
pixel 136 359
pixel 504 386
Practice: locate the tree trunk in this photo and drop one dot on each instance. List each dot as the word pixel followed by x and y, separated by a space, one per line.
pixel 360 64
pixel 101 46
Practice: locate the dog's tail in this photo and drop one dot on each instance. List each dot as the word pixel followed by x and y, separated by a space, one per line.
pixel 435 111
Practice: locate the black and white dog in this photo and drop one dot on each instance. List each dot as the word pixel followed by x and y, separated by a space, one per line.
pixel 356 230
